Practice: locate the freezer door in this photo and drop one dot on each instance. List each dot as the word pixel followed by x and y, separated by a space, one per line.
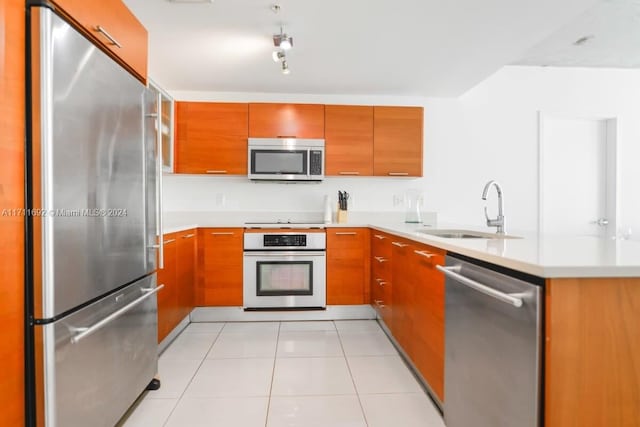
pixel 95 366
pixel 88 169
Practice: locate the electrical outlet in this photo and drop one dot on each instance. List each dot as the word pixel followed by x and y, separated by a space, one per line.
pixel 398 200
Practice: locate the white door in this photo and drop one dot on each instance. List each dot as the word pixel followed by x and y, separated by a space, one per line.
pixel 577 176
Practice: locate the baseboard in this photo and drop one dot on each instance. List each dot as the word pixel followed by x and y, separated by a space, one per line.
pixel 237 314
pixel 173 335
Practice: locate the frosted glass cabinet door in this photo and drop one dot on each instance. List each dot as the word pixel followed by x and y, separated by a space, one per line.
pixel 164 110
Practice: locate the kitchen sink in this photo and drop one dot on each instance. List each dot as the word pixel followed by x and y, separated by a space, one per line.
pixel 466 234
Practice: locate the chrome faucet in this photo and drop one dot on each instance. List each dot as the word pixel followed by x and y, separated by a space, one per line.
pixel 498 222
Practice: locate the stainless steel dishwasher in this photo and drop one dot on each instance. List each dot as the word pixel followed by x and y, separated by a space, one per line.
pixel 492 346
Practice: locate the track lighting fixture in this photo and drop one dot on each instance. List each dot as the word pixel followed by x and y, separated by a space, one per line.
pixel 285 68
pixel 282 40
pixel 278 56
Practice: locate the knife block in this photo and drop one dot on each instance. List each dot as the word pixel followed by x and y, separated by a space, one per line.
pixel 341 217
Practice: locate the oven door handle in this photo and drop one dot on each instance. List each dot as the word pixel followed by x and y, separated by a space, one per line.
pixel 280 254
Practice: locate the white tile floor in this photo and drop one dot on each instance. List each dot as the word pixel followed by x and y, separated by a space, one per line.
pixel 284 374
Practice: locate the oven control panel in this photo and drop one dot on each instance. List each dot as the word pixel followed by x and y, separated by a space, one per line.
pixel 278 240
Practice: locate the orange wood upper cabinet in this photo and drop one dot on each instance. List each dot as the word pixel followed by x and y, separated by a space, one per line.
pixel 12 123
pixel 286 120
pixel 186 270
pixel 114 27
pixel 397 141
pixel 347 266
pixel 592 376
pixel 427 284
pixel 221 280
pixel 348 131
pixel 211 138
pixel 168 302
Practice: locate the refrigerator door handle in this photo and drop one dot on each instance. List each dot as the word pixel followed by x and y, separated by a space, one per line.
pixel 159 165
pixel 86 331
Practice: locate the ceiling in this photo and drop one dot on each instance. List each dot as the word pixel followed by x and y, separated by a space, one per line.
pixel 400 47
pixel 611 34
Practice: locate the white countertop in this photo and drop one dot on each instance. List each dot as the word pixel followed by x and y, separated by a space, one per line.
pixel 543 256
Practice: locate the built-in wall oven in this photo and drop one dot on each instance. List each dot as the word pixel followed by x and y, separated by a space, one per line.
pixel 284 269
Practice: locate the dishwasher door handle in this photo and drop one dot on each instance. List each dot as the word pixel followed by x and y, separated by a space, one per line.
pixel 454 273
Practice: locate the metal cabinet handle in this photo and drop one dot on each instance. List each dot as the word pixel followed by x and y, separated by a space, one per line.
pixel 345 233
pixel 425 254
pixel 454 273
pixel 169 241
pixel 221 172
pixel 85 332
pixel 398 174
pixel 377 236
pixel 104 32
pixel 188 236
pixel 400 245
pixel 223 233
pixel 381 282
pixel 349 173
pixel 379 303
pixel 380 259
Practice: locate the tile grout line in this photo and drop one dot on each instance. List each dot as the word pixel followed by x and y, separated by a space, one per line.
pixel 364 415
pixel 273 374
pixel 194 374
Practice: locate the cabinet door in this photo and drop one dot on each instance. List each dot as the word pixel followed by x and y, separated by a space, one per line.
pixel 347 266
pixel 114 27
pixel 286 120
pixel 168 312
pixel 221 283
pixel 428 283
pixel 397 141
pixel 186 271
pixel 211 138
pixel 348 140
pixel 403 294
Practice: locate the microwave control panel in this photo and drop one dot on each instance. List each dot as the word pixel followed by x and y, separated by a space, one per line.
pixel 315 162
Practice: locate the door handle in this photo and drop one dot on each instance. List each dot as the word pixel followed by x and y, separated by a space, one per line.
pixel 85 332
pixel 400 245
pixel 454 273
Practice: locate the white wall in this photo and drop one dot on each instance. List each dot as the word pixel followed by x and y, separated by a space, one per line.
pixel 491 132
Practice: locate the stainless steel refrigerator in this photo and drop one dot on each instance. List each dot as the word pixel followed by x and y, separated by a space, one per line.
pixel 92 229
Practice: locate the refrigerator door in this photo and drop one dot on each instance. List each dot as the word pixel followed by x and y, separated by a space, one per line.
pixel 99 359
pixel 88 169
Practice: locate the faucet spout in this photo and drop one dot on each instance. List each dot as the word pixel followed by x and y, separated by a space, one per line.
pixel 498 222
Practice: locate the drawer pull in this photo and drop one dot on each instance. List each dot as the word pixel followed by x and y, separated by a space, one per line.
pixel 217 172
pixel 349 173
pixel 377 236
pixel 380 259
pixel 188 236
pixel 166 242
pixel 381 282
pixel 104 32
pixel 400 245
pixel 346 233
pixel 223 233
pixel 398 173
pixel 379 303
pixel 425 254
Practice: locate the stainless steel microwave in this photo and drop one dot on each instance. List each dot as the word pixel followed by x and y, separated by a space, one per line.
pixel 286 159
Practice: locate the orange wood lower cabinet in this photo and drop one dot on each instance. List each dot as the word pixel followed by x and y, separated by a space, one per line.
pixel 186 271
pixel 347 266
pixel 12 74
pixel 427 283
pixel 403 294
pixel 592 353
pixel 168 305
pixel 381 288
pixel 220 281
